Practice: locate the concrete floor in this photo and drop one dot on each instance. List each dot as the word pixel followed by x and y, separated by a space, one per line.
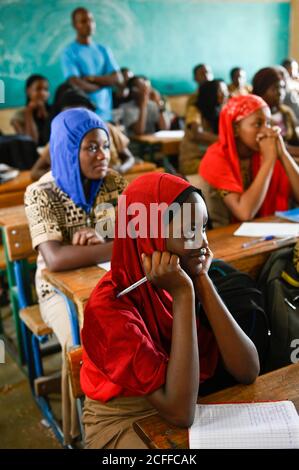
pixel 21 422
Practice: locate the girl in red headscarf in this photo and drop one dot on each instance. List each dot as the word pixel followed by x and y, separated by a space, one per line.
pixel 149 350
pixel 249 171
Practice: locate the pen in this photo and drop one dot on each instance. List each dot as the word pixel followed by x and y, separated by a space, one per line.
pixel 258 240
pixel 133 286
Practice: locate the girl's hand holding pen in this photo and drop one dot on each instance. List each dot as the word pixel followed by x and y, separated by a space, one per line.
pixel 164 271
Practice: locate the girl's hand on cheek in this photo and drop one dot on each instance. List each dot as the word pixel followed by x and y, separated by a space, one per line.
pixel 198 265
pixel 164 271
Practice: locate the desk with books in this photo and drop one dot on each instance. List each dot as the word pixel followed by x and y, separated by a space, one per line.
pixel 281 384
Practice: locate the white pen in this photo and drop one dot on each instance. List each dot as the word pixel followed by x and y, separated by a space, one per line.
pixel 257 240
pixel 133 286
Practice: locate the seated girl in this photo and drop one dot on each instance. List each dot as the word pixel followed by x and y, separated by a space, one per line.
pixel 238 85
pixel 201 125
pixel 270 85
pixel 32 120
pixel 63 208
pixel 249 172
pixel 148 351
pixel 144 111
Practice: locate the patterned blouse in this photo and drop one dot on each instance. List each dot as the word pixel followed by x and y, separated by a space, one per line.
pixel 52 215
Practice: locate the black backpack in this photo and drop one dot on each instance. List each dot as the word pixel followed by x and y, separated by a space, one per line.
pixel 245 302
pixel 279 282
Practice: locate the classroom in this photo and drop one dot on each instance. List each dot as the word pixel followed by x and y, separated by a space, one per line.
pixel 149 226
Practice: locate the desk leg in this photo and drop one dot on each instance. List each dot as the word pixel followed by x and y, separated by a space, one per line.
pixel 73 316
pixel 13 295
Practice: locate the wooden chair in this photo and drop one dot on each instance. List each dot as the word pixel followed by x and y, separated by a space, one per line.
pixel 74 357
pixel 33 330
pixel 19 262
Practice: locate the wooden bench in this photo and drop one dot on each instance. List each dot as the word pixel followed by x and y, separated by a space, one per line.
pixel 32 318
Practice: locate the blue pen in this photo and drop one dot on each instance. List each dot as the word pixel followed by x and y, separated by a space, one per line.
pixel 258 240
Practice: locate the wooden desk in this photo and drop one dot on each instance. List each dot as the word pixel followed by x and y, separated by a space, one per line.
pixel 76 285
pixel 166 145
pixel 281 384
pixel 12 192
pixel 18 251
pixel 15 230
pixel 228 247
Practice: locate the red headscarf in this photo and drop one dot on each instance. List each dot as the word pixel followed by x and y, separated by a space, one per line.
pixel 127 340
pixel 220 166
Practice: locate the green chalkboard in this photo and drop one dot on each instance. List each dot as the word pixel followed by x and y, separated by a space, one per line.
pixel 162 39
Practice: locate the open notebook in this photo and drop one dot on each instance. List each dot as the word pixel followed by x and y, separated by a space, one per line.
pixel 269 425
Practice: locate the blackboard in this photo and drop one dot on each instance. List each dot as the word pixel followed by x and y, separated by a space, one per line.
pixel 162 39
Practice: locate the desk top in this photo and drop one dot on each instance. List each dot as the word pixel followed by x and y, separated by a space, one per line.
pixel 78 284
pixel 154 139
pixel 19 183
pixel 12 192
pixel 167 145
pixel 13 217
pixel 281 384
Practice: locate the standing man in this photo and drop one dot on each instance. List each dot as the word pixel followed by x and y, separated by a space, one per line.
pixel 90 66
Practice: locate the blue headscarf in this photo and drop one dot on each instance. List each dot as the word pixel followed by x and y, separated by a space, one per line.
pixel 67 132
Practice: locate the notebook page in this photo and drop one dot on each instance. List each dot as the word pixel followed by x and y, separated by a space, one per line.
pixel 106 265
pixel 245 426
pixel 261 229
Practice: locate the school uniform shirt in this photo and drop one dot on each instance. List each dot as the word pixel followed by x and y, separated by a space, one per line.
pixel 79 60
pixel 130 114
pixel 53 215
pixel 218 212
pixel 191 151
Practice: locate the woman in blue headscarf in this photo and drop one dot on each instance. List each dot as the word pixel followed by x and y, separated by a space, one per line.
pixel 63 208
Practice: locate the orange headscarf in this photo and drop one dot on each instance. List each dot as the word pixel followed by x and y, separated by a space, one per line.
pixel 220 166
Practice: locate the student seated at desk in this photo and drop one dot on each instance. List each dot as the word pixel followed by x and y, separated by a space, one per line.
pixel 269 83
pixel 121 91
pixel 201 125
pixel 149 350
pixel 238 85
pixel 121 158
pixel 63 208
pixel 249 172
pixel 32 120
pixel 144 112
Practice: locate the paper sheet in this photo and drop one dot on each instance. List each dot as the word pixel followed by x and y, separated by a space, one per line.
pixel 266 425
pixel 106 265
pixel 179 134
pixel 264 229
